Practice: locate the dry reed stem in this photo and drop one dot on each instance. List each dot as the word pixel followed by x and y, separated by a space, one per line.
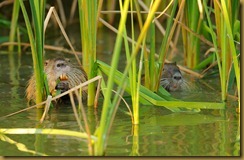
pixel 97 93
pixel 209 67
pixel 58 96
pixel 195 74
pixel 157 23
pixel 99 11
pixel 6 2
pixel 115 110
pixel 126 104
pixel 212 49
pixel 47 106
pixel 49 47
pixel 201 37
pixel 85 121
pixel 72 10
pixel 53 11
pixel 61 12
pixel 187 70
pixel 75 111
pixel 176 38
pixel 166 8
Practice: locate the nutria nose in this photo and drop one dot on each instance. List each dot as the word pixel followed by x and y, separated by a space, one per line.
pixel 61 65
pixel 177 77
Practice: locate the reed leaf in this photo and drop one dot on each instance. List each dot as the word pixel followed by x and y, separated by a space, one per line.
pixel 88 27
pixel 164 100
pixel 60 132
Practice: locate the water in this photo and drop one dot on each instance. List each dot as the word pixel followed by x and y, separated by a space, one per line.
pixel 160 132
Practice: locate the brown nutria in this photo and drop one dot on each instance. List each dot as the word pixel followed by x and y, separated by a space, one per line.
pixel 61 75
pixel 171 78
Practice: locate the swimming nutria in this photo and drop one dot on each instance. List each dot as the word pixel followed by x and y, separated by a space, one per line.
pixel 61 75
pixel 171 78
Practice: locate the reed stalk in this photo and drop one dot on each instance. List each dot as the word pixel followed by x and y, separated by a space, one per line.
pixel 108 109
pixel 130 62
pixel 13 27
pixel 223 41
pixel 193 20
pixel 36 39
pixel 166 41
pixel 227 14
pixel 88 27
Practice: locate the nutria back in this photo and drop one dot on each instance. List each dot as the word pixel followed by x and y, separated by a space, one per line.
pixel 61 75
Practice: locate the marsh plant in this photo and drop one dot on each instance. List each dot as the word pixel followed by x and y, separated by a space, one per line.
pixel 213 23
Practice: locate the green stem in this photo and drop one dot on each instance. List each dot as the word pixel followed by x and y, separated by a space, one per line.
pixel 107 107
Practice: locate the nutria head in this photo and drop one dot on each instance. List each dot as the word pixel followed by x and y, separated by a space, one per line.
pixel 61 75
pixel 171 78
pixel 57 67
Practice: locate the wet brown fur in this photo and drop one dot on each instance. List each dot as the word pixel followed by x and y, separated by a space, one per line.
pixel 171 78
pixel 54 68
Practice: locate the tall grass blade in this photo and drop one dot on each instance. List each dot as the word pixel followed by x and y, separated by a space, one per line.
pixel 165 43
pixel 232 46
pixel 13 27
pixel 36 43
pixel 88 26
pixel 108 109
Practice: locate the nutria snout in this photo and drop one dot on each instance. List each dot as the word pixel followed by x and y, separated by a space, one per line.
pixel 61 75
pixel 171 78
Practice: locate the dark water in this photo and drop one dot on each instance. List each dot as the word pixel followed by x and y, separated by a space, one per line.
pixel 160 132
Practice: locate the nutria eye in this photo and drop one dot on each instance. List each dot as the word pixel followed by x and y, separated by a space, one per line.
pixel 60 65
pixel 46 62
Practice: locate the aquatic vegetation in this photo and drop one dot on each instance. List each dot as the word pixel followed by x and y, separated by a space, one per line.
pixel 218 26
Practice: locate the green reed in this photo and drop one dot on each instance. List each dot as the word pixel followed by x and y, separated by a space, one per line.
pixel 223 41
pixel 161 98
pixel 36 38
pixel 229 20
pixel 88 28
pixel 14 21
pixel 170 28
pixel 152 66
pixel 193 19
pixel 134 73
pixel 108 108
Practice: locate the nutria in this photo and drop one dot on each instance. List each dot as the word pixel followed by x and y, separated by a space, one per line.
pixel 61 75
pixel 171 78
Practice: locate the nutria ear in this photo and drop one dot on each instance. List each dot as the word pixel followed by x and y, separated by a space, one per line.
pixel 67 59
pixel 46 62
